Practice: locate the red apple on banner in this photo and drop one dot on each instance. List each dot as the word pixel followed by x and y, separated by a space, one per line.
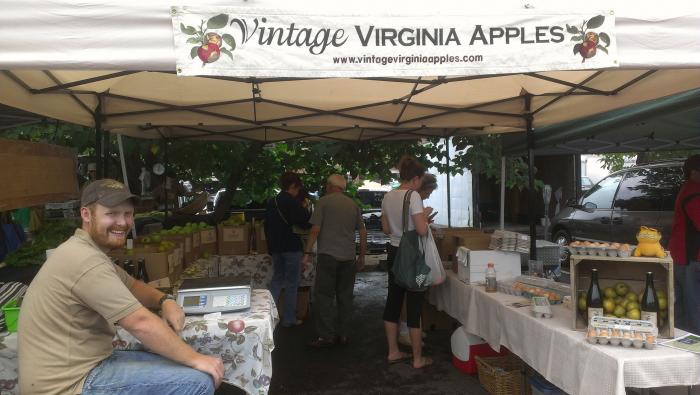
pixel 209 52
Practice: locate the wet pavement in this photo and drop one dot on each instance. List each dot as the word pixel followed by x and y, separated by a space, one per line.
pixel 360 367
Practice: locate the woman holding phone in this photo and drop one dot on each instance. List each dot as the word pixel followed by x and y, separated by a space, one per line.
pixel 410 173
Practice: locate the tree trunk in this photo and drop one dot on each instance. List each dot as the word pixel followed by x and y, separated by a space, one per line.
pixel 223 206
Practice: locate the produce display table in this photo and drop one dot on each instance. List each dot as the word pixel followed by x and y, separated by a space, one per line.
pixel 558 352
pixel 259 267
pixel 247 354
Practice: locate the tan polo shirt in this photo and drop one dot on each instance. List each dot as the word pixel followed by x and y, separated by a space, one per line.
pixel 66 321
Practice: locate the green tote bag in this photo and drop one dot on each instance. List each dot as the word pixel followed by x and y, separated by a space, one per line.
pixel 410 270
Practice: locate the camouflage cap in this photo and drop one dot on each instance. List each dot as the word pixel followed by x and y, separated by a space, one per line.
pixel 106 192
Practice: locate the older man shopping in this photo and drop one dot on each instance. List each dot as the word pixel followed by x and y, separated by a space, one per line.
pixel 334 222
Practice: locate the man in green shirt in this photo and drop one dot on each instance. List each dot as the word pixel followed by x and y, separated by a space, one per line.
pixel 335 220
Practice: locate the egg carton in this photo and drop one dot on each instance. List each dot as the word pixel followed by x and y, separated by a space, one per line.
pixel 622 332
pixel 540 307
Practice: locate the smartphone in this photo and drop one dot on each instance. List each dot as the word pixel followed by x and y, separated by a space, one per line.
pixel 432 215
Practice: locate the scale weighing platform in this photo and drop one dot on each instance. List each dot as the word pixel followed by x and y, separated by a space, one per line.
pixel 211 295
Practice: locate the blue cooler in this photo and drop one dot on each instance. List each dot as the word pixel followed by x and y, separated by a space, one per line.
pixel 541 386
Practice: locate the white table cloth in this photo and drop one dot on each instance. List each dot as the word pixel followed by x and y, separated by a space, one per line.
pixel 558 352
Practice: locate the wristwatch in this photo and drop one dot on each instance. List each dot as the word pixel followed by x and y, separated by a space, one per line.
pixel 164 298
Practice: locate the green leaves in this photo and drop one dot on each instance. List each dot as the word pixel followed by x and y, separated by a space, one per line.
pixel 572 29
pixel 189 30
pixel 577 48
pixel 193 52
pixel 577 38
pixel 604 38
pixel 228 39
pixel 227 52
pixel 193 40
pixel 217 22
pixel 595 22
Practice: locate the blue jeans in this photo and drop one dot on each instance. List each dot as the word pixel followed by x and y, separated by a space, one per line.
pixel 287 266
pixel 141 372
pixel 687 292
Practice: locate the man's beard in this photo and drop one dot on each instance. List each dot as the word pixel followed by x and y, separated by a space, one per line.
pixel 102 237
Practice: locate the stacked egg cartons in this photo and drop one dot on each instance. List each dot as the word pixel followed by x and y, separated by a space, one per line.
pixel 600 249
pixel 622 332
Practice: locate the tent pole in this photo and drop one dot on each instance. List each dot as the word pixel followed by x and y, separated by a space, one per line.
pixel 449 196
pixel 98 139
pixel 503 192
pixel 122 161
pixel 531 176
pixel 166 164
pixel 106 145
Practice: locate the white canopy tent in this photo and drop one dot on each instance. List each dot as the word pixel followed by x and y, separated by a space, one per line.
pixel 112 65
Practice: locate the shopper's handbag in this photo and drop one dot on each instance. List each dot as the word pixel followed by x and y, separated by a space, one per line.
pixel 409 268
pixel 432 259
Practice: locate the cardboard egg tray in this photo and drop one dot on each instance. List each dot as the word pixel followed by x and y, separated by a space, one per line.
pixel 622 332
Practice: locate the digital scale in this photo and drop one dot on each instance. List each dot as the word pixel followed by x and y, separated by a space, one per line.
pixel 211 295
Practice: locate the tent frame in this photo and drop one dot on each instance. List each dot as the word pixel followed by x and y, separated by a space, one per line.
pixel 392 129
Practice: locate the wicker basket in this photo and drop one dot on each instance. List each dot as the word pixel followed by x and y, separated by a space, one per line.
pixel 502 375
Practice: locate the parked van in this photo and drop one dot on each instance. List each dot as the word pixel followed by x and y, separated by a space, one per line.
pixel 614 208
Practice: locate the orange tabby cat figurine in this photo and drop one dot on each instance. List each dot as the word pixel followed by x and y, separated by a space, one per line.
pixel 649 245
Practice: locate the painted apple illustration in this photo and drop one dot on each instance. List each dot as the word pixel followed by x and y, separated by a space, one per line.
pixel 587 41
pixel 236 326
pixel 587 49
pixel 209 52
pixel 214 38
pixel 210 44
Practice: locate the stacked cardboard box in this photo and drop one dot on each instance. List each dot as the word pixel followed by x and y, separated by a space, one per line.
pixel 159 264
pixel 208 241
pixel 233 240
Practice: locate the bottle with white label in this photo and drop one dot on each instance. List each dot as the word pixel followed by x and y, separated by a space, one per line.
pixel 650 303
pixel 594 299
pixel 491 285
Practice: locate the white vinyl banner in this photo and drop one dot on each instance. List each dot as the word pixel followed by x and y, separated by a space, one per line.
pixel 254 42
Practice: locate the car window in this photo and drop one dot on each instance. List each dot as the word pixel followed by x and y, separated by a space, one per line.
pixel 586 182
pixel 601 195
pixel 652 189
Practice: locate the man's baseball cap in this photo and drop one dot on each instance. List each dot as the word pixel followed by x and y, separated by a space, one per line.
pixel 106 192
pixel 692 163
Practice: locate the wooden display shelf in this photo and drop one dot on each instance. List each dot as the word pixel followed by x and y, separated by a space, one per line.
pixel 631 271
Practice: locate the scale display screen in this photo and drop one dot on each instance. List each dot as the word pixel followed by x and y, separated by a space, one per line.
pixel 193 301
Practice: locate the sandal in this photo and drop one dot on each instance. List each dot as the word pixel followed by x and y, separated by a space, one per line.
pixel 427 361
pixel 402 358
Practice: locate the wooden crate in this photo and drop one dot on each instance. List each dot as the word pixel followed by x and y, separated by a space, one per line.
pixel 628 270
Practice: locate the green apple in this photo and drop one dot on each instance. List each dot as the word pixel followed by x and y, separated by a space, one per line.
pixel 619 312
pixel 582 304
pixel 661 295
pixel 632 305
pixel 631 296
pixel 608 305
pixel 621 289
pixel 619 299
pixel 663 304
pixel 609 292
pixel 634 314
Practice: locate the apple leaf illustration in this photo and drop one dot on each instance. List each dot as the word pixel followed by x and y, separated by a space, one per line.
pixel 577 48
pixel 217 22
pixel 605 38
pixel 193 52
pixel 595 22
pixel 228 39
pixel 189 30
pixel 572 29
pixel 227 52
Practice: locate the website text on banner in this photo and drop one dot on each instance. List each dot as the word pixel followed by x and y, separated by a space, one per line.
pixel 256 42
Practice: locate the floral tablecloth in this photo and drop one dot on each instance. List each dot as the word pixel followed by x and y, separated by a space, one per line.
pixel 8 364
pixel 243 340
pixel 259 267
